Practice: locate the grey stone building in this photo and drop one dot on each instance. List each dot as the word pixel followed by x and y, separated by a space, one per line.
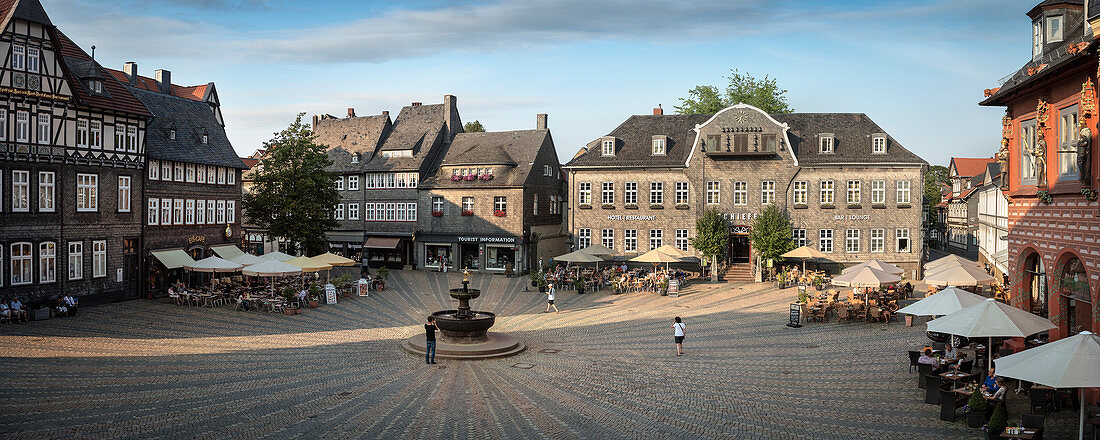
pixel 495 204
pixel 192 196
pixel 381 165
pixel 72 154
pixel 848 186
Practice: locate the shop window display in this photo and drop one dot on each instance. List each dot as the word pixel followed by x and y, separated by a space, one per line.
pixel 499 257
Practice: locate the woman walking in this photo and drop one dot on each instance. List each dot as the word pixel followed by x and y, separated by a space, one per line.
pixel 550 299
pixel 678 335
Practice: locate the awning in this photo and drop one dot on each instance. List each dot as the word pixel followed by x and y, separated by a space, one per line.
pixel 382 242
pixel 173 259
pixel 227 251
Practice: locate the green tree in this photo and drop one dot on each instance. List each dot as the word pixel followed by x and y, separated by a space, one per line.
pixel 764 94
pixel 473 127
pixel 771 233
pixel 293 193
pixel 712 236
pixel 935 175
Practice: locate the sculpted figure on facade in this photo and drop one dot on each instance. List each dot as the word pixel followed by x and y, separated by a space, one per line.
pixel 1039 153
pixel 1084 155
pixel 1002 161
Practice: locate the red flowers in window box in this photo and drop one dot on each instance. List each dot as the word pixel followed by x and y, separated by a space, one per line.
pixel 471 177
pixel 437 213
pixel 486 176
pixel 500 213
pixel 456 178
pixel 467 212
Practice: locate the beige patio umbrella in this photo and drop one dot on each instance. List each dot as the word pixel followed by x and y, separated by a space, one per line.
pixel 271 268
pixel 1072 362
pixel 952 259
pixel 875 264
pixel 671 250
pixel 598 250
pixel 963 275
pixel 246 259
pixel 213 264
pixel 944 302
pixel 804 253
pixel 333 259
pixel 865 277
pixel 277 256
pixel 656 257
pixel 578 257
pixel 991 319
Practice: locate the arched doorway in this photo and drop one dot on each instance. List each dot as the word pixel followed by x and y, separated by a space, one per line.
pixel 1035 285
pixel 1073 287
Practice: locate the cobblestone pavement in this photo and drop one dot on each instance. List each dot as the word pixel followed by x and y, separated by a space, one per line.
pixel 605 367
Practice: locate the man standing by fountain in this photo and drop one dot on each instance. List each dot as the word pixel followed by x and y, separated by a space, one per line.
pixel 429 337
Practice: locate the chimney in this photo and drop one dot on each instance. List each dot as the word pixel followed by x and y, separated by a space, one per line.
pixel 450 116
pixel 416 104
pixel 130 69
pixel 351 112
pixel 385 112
pixel 316 118
pixel 658 111
pixel 541 124
pixel 164 80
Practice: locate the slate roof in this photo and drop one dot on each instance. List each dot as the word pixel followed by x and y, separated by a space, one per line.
pixel 515 150
pixel 194 93
pixel 1053 58
pixel 852 142
pixel 971 166
pixel 994 171
pixel 189 118
pixel 635 142
pixel 117 97
pixel 416 126
pixel 29 10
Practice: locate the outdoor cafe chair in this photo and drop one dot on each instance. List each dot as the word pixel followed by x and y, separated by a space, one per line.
pixel 1036 422
pixel 913 356
pixel 1042 400
pixel 923 370
pixel 933 384
pixel 949 405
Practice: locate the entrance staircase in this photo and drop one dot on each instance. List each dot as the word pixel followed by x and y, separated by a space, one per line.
pixel 738 273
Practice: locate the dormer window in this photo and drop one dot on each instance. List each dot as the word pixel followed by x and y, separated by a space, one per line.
pixel 1054 29
pixel 825 143
pixel 660 144
pixel 878 144
pixel 355 158
pixel 172 134
pixel 1036 39
pixel 205 138
pixel 95 86
pixel 608 147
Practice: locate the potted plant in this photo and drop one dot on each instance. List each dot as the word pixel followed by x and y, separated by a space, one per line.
pixel 803 297
pixel 819 282
pixel 534 276
pixel 975 410
pixel 383 273
pixel 288 298
pixel 997 422
pixel 500 213
pixel 664 288
pixel 314 296
pixel 579 285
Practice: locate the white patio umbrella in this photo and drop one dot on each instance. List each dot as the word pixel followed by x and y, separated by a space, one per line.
pixel 865 277
pixel 246 259
pixel 277 256
pixel 578 257
pixel 1072 362
pixel 213 264
pixel 953 260
pixel 991 319
pixel 963 275
pixel 875 264
pixel 944 302
pixel 598 250
pixel 656 257
pixel 271 268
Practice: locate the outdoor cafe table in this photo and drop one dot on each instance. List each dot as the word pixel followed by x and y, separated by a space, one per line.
pixel 1026 434
pixel 956 376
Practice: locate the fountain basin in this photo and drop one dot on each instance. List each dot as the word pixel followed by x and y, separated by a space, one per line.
pixel 457 330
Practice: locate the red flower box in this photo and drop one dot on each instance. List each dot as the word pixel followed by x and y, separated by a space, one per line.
pixel 486 177
pixel 456 178
pixel 500 213
pixel 437 213
pixel 471 177
pixel 467 212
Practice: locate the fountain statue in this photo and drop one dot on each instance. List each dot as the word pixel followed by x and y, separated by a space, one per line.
pixel 465 332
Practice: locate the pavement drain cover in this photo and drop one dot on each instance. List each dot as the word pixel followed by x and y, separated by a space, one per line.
pixel 313 416
pixel 441 367
pixel 523 366
pixel 786 372
pixel 549 351
pixel 345 393
pixel 813 346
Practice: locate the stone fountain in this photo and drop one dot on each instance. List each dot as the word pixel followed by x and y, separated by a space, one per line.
pixel 465 332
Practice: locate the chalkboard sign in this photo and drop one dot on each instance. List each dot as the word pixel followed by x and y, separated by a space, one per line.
pixel 796 316
pixel 330 294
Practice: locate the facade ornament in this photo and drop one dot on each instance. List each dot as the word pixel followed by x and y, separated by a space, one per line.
pixel 1039 152
pixel 1084 155
pixel 1002 154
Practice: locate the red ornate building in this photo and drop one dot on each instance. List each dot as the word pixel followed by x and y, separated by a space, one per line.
pixel 1049 136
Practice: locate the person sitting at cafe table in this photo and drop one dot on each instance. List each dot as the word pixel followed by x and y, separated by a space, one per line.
pixel 927 358
pixel 990 383
pixel 950 354
pixel 997 393
pixel 70 303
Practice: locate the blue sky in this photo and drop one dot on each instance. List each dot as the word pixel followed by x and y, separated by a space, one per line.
pixel 917 68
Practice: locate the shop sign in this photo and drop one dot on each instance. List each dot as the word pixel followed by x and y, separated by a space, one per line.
pixel 631 218
pixel 330 294
pixel 742 216
pixel 852 217
pixel 354 246
pixel 196 239
pixel 740 230
pixel 487 239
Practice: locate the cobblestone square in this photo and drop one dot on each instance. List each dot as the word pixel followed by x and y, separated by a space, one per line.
pixel 605 367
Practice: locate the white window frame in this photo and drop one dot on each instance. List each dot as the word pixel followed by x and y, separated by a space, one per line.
pixel 22 263
pixel 827 192
pixel 125 192
pixel 682 240
pixel 1037 38
pixel 714 192
pixel 368 211
pixel 221 176
pixel 1027 161
pixel 878 240
pixel 683 190
pixel 20 191
pixel 607 147
pixel 339 183
pixel 584 193
pixel 23 128
pixel 200 212
pixel 740 193
pixel 656 193
pixel 878 144
pixel 903 192
pixel 221 212
pixel 47 262
pixel 353 211
pixel 437 204
pixel 767 192
pixel 410 212
pixel 535 204
pixel 825 144
pixel 131 138
pixel 467 204
pixel 177 211
pixel 584 238
pixel 855 192
pixel 166 171
pixel 231 176
pixel 1068 133
pixel 500 203
pixel 18 57
pixel 120 137
pixel 99 258
pixel 76 260
pixel 44 128
pixel 1053 34
pixel 607 193
pixel 353 183
pixel 87 192
pixel 851 241
pixel 630 193
pixel 154 169
pixel 3 126
pixel 95 134
pixel 656 238
pixel 630 240
pixel 189 216
pixel 798 235
pixel 154 212
pixel 177 171
pixel 878 192
pixel 33 58
pixel 825 240
pixel 166 212
pixel 607 238
pixel 189 175
pixel 899 234
pixel 659 147
pixel 799 194
pixel 338 211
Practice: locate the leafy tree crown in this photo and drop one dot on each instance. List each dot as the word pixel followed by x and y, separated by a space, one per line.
pixel 473 127
pixel 712 233
pixel 771 233
pixel 764 94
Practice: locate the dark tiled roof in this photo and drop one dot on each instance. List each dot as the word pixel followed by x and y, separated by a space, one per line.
pixel 851 143
pixel 1053 58
pixel 1094 9
pixel 416 126
pixel 117 97
pixel 634 146
pixel 516 150
pixel 190 119
pixel 29 10
pixel 994 170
